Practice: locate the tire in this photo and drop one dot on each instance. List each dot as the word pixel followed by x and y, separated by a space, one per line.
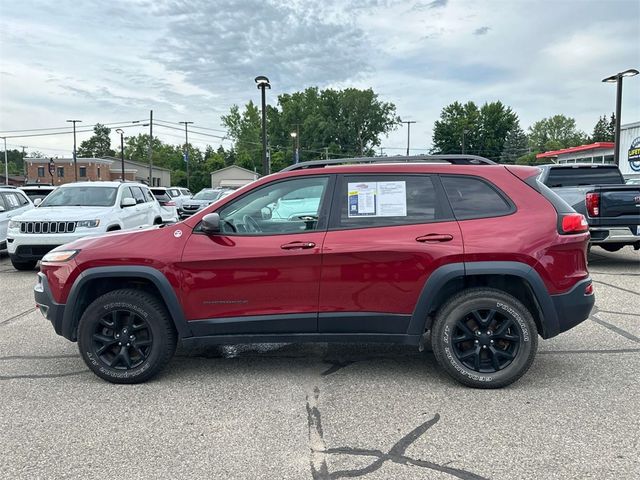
pixel 140 318
pixel 611 247
pixel 468 355
pixel 24 265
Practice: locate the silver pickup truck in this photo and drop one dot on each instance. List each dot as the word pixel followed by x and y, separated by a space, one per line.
pixel 598 192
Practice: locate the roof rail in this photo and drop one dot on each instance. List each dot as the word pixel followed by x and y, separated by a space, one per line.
pixel 454 159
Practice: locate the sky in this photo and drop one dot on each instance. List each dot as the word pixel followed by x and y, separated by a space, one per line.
pixel 191 60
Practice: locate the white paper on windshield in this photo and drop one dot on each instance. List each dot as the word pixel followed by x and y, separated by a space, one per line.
pixel 392 199
pixel 377 199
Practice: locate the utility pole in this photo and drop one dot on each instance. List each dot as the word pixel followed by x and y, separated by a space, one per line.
pixel 6 163
pixel 186 148
pixel 75 163
pixel 24 166
pixel 150 153
pixel 262 83
pixel 408 122
pixel 381 151
pixel 326 153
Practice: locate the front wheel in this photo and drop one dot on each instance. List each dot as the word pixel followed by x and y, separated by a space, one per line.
pixel 484 338
pixel 126 336
pixel 24 265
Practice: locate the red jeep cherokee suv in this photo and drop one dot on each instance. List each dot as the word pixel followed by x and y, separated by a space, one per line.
pixel 482 256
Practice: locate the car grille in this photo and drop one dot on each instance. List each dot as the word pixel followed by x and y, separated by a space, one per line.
pixel 47 227
pixel 191 208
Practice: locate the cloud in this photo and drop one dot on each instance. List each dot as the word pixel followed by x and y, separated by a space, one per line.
pixel 481 31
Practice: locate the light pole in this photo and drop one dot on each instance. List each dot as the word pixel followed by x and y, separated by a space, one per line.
pixel 408 122
pixel 617 78
pixel 263 84
pixel 186 149
pixel 296 146
pixel 6 163
pixel 75 164
pixel 120 132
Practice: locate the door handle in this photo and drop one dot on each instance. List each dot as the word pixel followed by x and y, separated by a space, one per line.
pixel 435 237
pixel 297 245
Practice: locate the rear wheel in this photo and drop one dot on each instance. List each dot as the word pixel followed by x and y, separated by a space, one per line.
pixel 126 336
pixel 24 265
pixel 484 338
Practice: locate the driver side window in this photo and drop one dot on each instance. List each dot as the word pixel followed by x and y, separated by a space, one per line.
pixel 289 206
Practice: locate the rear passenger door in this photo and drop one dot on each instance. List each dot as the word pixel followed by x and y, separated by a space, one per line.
pixel 387 234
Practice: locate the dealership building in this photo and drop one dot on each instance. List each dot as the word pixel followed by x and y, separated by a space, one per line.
pixel 602 152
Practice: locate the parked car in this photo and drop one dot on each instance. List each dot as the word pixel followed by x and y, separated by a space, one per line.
pixel 77 210
pixel 203 198
pixel 598 191
pixel 179 195
pixel 37 193
pixel 13 202
pixel 167 205
pixel 485 257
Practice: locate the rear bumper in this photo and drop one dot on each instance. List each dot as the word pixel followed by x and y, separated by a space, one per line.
pixel 573 307
pixel 621 235
pixel 52 311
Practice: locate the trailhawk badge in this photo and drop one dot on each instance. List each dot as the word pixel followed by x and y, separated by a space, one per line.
pixel 177 233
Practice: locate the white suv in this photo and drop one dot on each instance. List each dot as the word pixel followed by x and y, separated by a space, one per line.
pixel 13 202
pixel 77 210
pixel 179 195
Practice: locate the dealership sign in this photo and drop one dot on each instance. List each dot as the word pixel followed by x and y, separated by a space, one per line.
pixel 634 155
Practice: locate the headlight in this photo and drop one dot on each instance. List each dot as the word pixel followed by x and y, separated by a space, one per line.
pixel 60 255
pixel 14 224
pixel 88 223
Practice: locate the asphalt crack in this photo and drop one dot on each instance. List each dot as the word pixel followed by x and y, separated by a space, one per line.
pixel 396 454
pixel 18 315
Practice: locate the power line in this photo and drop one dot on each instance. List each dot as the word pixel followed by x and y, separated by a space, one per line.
pixel 2 132
pixel 60 133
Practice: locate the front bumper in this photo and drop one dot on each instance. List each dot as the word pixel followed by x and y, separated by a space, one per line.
pixel 52 311
pixel 25 246
pixel 573 307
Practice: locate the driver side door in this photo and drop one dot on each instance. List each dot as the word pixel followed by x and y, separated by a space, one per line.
pixel 261 273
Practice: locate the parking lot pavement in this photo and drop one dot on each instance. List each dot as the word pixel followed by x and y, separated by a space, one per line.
pixel 319 411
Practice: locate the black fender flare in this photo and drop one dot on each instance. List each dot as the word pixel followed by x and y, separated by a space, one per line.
pixel 71 312
pixel 437 280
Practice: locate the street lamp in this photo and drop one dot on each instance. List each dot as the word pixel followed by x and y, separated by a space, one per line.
pixel 296 146
pixel 263 83
pixel 186 152
pixel 617 78
pixel 75 165
pixel 121 133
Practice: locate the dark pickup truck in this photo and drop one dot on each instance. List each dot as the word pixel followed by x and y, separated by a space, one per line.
pixel 598 192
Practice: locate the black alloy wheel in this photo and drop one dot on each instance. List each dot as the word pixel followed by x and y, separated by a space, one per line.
pixel 486 341
pixel 122 339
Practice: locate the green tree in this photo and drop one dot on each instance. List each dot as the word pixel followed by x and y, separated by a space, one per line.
pixel 480 131
pixel 99 145
pixel 554 133
pixel 604 130
pixel 14 162
pixel 346 123
pixel 515 145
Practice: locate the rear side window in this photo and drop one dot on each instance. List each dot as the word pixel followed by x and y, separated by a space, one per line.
pixel 11 201
pixel 161 195
pixel 174 192
pixel 387 200
pixel 471 197
pixel 576 176
pixel 23 199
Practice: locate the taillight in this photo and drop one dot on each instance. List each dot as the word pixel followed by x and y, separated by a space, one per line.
pixel 589 289
pixel 574 223
pixel 592 201
pixel 169 204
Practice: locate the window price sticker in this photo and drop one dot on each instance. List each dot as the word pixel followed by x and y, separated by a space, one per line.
pixel 377 199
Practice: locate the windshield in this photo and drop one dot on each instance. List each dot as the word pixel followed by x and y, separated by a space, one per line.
pixel 81 197
pixel 207 195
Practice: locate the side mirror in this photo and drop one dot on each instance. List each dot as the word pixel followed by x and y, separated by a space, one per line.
pixel 128 202
pixel 1 208
pixel 266 213
pixel 37 201
pixel 210 223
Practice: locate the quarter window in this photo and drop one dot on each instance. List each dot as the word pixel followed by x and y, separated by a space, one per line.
pixel 290 206
pixel 387 200
pixel 474 198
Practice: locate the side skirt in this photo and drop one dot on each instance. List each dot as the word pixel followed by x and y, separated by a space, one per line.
pixel 403 339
